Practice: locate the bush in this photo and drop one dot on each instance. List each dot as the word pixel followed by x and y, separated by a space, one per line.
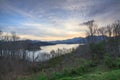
pixel 109 62
pixel 39 76
pixel 42 76
pixel 117 63
pixel 83 68
pixel 73 72
pixel 67 72
pixel 57 76
pixel 98 49
pixel 112 62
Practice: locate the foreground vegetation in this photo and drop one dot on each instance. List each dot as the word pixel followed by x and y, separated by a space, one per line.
pixel 110 75
pixel 88 70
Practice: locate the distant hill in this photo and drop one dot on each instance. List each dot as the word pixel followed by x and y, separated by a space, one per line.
pixel 76 40
pixel 96 38
pixel 23 44
pixel 39 43
pixel 79 40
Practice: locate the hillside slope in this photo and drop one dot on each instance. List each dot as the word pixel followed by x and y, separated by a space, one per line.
pixel 111 75
pixel 74 66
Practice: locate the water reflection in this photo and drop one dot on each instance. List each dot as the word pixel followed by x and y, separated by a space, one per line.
pixel 48 49
pixel 45 52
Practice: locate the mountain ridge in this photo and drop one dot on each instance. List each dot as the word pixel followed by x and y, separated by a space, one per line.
pixel 76 40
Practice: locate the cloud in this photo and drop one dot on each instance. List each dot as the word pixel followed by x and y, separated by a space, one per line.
pixel 65 29
pixel 51 38
pixel 55 18
pixel 88 22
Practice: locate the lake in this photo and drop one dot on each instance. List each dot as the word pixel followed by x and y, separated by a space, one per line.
pixel 44 53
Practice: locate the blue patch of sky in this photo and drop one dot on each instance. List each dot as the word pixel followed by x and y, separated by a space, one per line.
pixel 11 19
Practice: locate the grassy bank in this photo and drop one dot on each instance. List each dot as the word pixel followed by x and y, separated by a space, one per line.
pixel 83 66
pixel 94 73
pixel 110 75
pixel 87 70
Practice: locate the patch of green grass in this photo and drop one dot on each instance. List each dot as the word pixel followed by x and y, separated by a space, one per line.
pixel 84 68
pixel 96 73
pixel 112 75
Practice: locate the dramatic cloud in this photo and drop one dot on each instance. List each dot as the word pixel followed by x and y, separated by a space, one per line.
pixel 55 19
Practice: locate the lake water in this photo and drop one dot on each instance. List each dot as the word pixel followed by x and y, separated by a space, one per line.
pixel 48 49
pixel 44 53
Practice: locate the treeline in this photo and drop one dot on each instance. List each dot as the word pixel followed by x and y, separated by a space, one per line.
pixel 110 45
pixel 14 57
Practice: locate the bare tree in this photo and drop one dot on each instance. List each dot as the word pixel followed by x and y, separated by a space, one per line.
pixel 0 34
pixel 92 30
pixel 102 31
pixel 116 28
pixel 116 35
pixel 109 30
pixel 14 36
pixel 0 42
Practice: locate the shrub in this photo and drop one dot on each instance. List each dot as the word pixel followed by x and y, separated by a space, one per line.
pixel 42 76
pixel 97 51
pixel 117 63
pixel 109 62
pixel 57 76
pixel 112 62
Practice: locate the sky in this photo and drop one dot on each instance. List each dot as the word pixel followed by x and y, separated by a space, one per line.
pixel 55 19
